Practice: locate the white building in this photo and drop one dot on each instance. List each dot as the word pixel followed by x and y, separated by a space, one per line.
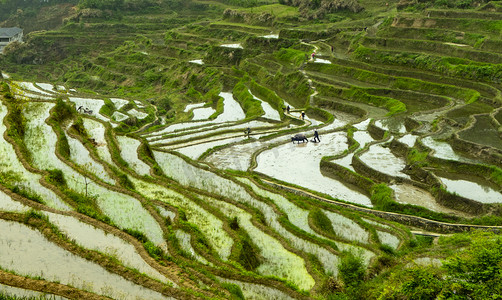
pixel 8 35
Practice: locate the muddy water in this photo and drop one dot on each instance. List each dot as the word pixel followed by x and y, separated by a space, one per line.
pixel 362 125
pixel 7 204
pixel 253 291
pixel 10 291
pixel 29 253
pixel 478 191
pixel 129 152
pixel 14 172
pixel 119 102
pixel 381 159
pixel 92 104
pixel 238 157
pixel 29 86
pixel 363 138
pixel 237 46
pixel 483 132
pixel 46 87
pixel 322 61
pixel 347 228
pixel 408 140
pixel 189 107
pixel 217 128
pixel 185 244
pixel 232 111
pixel 192 176
pixel 197 61
pixel 119 117
pixel 123 210
pixel 277 260
pixel 96 131
pixel 345 161
pixel 392 124
pixel 94 238
pixel 138 114
pixel 80 155
pixel 202 113
pixel 299 164
pixel 270 112
pixel 409 194
pixel 208 224
pixel 195 151
pixel 388 239
pixel 443 150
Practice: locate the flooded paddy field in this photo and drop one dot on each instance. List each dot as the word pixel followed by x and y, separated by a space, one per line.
pixel 182 164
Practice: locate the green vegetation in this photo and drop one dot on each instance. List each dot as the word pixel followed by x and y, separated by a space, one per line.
pixel 252 107
pixel 422 68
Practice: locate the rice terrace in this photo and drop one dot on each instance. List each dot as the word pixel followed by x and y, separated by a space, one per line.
pixel 250 149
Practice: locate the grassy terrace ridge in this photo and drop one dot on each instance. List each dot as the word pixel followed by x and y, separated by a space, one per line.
pixel 150 143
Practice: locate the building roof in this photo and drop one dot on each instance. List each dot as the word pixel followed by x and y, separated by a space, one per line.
pixel 9 32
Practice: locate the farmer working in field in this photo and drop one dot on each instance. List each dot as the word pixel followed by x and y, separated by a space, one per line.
pixel 316 137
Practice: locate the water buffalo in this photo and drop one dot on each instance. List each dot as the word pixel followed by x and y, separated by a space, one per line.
pixel 299 137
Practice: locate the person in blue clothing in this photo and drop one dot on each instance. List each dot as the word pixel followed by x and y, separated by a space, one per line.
pixel 316 137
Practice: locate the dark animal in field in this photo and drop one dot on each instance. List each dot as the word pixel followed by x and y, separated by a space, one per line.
pixel 299 137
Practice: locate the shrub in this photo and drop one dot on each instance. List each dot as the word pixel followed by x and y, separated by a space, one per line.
pixel 56 177
pixel 62 110
pixel 234 289
pixel 321 221
pixel 108 108
pixel 125 182
pixel 351 269
pixel 248 258
pixel 249 104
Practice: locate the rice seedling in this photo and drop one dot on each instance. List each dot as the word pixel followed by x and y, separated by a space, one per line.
pixel 346 228
pixel 122 209
pixel 184 242
pixel 387 238
pixel 7 204
pixel 9 163
pixel 137 114
pixel 207 223
pixel 277 260
pixel 129 152
pixel 81 156
pixel 13 293
pixel 97 239
pixel 32 252
pixel 257 291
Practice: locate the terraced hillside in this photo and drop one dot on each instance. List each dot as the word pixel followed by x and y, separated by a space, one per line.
pixel 148 154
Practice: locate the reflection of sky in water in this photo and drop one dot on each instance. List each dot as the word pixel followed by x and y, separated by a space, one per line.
pixel 238 157
pixel 322 61
pixel 382 160
pixel 394 125
pixel 196 150
pixel 232 111
pixel 271 36
pixel 443 150
pixel 472 190
pixel 362 125
pixel 299 164
pixel 236 46
pixel 192 134
pixel 28 252
pixel 192 106
pixel 270 112
pixel 362 137
pixel 408 140
pixel 345 161
pixel 197 61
